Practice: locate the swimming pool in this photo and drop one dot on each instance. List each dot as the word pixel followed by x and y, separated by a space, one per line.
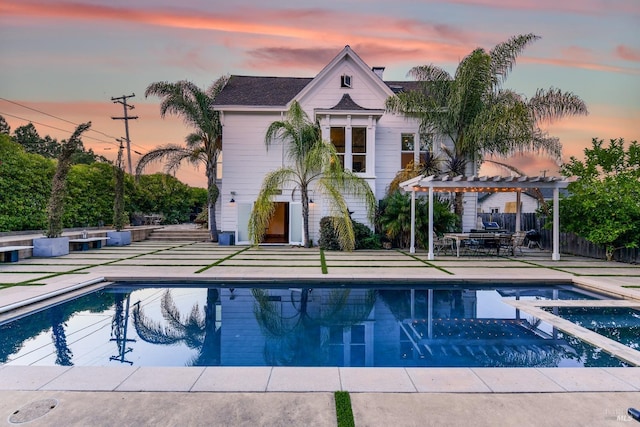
pixel 621 324
pixel 298 324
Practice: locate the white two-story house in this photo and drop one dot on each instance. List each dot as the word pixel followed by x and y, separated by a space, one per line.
pixel 347 98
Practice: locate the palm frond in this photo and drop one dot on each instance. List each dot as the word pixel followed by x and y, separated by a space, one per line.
pixel 504 55
pixel 264 206
pixel 173 154
pixel 151 331
pixel 549 105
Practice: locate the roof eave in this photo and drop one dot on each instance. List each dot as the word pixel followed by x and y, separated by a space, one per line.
pixel 249 108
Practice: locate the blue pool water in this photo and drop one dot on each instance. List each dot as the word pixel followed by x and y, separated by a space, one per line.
pixel 297 324
pixel 621 324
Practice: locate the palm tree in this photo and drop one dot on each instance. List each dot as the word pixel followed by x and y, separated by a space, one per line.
pixel 203 146
pixel 477 114
pixel 313 162
pixel 55 207
pixel 196 330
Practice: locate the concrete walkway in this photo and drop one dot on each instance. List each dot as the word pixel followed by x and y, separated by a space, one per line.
pixel 303 396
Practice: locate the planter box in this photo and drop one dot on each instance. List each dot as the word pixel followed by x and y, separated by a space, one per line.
pixel 50 247
pixel 226 238
pixel 119 238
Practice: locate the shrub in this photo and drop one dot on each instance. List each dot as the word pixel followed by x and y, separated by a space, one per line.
pixel 328 239
pixel 364 237
pixel 395 219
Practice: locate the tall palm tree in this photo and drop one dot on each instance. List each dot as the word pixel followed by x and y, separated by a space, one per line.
pixel 312 162
pixel 196 330
pixel 203 146
pixel 481 117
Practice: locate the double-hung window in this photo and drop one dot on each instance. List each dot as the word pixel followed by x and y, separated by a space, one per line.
pixel 351 146
pixel 412 152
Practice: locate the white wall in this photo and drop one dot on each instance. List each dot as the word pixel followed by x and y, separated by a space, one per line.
pixel 499 200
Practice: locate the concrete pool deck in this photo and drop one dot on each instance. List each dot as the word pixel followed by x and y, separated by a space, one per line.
pixel 296 396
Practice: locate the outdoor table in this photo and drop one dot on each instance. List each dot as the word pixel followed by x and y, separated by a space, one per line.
pixel 461 237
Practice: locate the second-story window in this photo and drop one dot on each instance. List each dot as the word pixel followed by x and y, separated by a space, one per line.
pixel 338 140
pixel 351 145
pixel 359 149
pixel 412 152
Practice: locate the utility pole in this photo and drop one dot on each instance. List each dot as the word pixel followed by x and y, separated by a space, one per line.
pixel 123 100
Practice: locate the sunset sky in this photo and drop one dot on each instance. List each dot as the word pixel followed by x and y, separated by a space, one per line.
pixel 68 59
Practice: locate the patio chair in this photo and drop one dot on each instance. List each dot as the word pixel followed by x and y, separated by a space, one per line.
pixel 444 244
pixel 506 243
pixel 518 241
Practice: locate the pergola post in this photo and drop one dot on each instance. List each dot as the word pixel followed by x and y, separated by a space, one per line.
pixel 412 247
pixel 556 225
pixel 430 231
pixel 518 212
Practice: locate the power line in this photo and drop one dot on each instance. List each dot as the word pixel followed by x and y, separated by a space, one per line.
pixel 61 119
pixel 56 128
pixel 55 117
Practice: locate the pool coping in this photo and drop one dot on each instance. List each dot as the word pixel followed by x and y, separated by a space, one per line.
pixel 318 379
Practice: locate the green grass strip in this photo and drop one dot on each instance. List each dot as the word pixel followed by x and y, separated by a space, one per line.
pixel 323 262
pixel 444 270
pixel 221 260
pixel 344 413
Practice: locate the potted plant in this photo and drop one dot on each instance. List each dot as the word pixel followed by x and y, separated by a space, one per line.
pixel 119 237
pixel 54 244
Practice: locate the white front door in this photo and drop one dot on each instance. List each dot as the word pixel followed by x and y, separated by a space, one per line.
pixel 242 233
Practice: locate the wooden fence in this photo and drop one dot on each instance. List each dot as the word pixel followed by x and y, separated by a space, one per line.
pixel 569 242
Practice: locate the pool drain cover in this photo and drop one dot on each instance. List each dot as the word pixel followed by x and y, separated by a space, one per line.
pixel 32 411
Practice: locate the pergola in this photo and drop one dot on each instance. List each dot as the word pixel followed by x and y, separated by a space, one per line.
pixel 494 184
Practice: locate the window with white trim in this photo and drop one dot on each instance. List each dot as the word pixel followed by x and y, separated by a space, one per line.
pixel 338 140
pixel 351 146
pixel 412 152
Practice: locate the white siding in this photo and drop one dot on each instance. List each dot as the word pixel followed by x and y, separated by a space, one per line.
pixel 499 200
pixel 246 160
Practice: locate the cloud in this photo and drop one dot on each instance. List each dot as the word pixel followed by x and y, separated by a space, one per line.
pixel 314 59
pixel 291 28
pixel 627 53
pixel 583 7
pixel 571 63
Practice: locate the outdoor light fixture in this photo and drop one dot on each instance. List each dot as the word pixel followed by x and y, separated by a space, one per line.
pixel 233 200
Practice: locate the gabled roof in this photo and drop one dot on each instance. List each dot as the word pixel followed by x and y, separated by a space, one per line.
pixel 255 91
pixel 346 54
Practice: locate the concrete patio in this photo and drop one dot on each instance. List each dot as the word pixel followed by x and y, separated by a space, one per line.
pixel 303 396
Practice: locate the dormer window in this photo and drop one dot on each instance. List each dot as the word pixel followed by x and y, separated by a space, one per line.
pixel 345 81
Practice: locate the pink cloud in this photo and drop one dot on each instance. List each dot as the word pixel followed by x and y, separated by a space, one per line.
pixel 587 7
pixel 627 53
pixel 284 28
pixel 577 53
pixel 570 63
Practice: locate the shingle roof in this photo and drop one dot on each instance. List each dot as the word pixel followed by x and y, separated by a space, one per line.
pixel 278 91
pixel 260 91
